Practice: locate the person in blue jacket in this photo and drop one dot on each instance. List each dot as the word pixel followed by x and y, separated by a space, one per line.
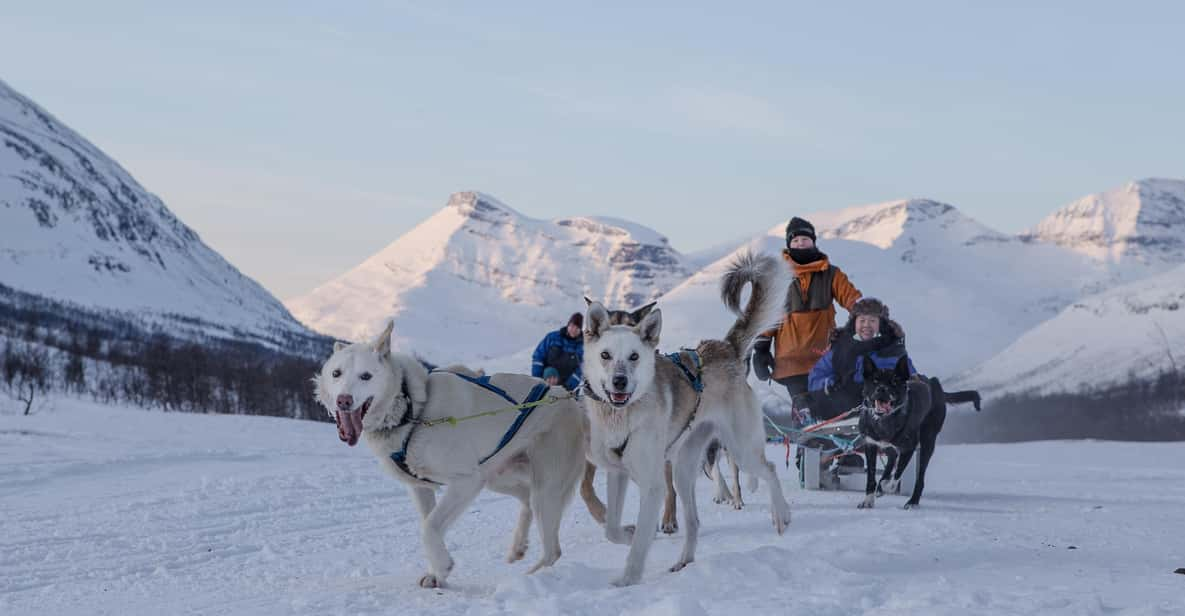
pixel 563 350
pixel 836 382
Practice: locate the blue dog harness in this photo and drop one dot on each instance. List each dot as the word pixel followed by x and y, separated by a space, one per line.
pixel 528 405
pixel 536 394
pixel 400 457
pixel 696 379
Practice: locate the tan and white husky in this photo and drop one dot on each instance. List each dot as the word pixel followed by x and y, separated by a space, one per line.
pixel 644 409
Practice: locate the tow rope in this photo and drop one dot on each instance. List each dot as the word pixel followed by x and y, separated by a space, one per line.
pixel 537 397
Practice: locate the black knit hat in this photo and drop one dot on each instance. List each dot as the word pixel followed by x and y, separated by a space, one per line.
pixel 797 227
pixel 576 319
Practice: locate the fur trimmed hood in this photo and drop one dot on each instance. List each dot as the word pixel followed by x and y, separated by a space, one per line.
pixel 888 327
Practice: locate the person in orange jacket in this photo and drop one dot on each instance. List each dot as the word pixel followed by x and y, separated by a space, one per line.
pixel 805 333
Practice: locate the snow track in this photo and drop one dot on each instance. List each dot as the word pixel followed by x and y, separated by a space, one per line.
pixel 120 511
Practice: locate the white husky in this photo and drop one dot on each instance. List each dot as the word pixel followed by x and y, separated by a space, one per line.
pixel 644 409
pixel 387 397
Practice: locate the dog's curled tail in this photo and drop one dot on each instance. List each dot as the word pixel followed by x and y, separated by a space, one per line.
pixel 764 309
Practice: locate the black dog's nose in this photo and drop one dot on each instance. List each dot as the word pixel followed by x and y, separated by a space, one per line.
pixel 345 402
pixel 619 383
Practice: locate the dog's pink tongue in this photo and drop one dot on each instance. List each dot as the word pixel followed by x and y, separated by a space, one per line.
pixel 883 407
pixel 349 426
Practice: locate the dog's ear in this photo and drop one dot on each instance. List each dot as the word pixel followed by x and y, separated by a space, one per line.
pixel 650 328
pixel 595 321
pixel 339 345
pixel 588 301
pixel 902 368
pixel 382 344
pixel 869 369
pixel 641 313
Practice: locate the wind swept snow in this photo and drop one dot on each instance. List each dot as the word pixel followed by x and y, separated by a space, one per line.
pixel 119 511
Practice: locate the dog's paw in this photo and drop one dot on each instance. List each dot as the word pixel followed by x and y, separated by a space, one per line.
pixel 719 499
pixel 669 528
pixel 544 562
pixel 516 554
pixel 623 535
pixel 911 505
pixel 431 581
pixel 781 519
pixel 868 503
pixel 623 581
pixel 888 486
pixel 738 504
pixel 679 566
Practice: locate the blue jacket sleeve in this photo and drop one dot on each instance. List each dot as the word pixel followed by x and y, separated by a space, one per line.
pixel 822 374
pixel 538 357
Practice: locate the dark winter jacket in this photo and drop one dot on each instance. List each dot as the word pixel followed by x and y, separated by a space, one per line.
pixel 558 351
pixel 843 363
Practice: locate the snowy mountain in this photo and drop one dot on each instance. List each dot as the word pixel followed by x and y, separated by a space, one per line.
pixel 961 290
pixel 1140 226
pixel 1132 331
pixel 479 280
pixel 77 231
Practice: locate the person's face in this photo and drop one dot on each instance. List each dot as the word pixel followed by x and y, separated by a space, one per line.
pixel 801 241
pixel 868 326
pixel 552 380
pixel 573 330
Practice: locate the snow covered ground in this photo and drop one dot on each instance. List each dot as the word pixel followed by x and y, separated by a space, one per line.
pixel 119 511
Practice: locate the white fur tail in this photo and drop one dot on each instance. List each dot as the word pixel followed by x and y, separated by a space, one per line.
pixel 764 310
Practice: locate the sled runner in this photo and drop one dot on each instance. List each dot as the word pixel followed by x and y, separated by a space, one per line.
pixel 828 454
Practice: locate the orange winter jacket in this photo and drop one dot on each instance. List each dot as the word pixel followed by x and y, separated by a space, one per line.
pixel 804 334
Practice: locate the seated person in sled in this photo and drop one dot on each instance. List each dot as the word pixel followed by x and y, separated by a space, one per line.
pixel 835 384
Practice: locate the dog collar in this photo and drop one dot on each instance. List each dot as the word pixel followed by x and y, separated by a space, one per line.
pixel 408 413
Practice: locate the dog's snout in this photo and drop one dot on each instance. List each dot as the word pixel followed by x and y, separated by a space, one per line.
pixel 620 382
pixel 345 402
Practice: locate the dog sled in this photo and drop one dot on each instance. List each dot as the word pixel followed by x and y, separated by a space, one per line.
pixel 828 453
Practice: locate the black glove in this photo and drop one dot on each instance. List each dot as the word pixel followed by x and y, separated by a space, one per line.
pixel 763 360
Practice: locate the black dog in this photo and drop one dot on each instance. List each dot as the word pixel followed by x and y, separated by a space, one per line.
pixel 901 413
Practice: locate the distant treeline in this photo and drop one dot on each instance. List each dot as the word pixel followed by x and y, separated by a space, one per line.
pixel 1142 410
pixel 50 347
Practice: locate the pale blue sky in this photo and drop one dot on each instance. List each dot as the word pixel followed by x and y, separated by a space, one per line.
pixel 299 138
